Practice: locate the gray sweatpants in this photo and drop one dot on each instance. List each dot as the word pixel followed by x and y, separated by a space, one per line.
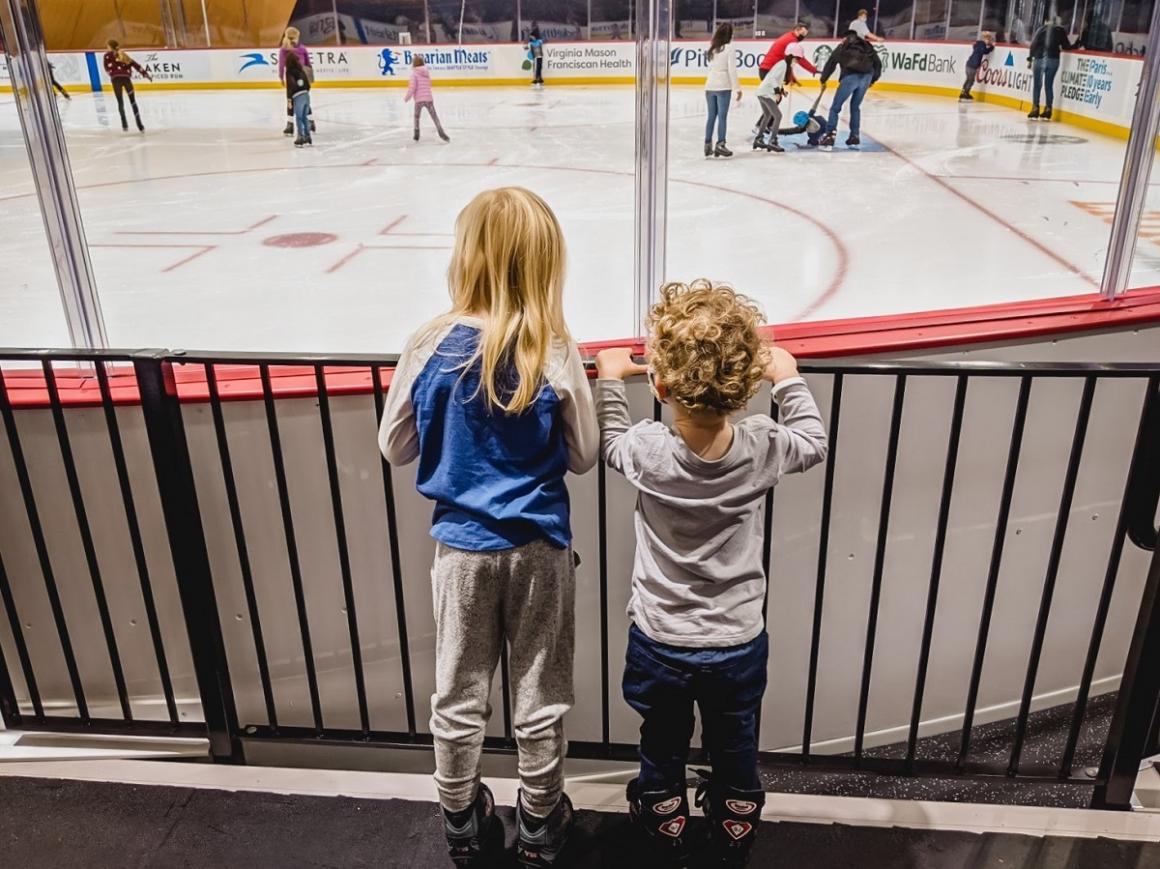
pixel 430 107
pixel 527 596
pixel 770 117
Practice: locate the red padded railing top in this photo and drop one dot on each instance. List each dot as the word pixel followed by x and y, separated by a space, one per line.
pixel 817 339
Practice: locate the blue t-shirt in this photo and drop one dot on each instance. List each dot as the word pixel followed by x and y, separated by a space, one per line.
pixel 497 479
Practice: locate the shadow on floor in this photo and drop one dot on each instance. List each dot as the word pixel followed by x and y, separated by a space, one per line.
pixel 62 824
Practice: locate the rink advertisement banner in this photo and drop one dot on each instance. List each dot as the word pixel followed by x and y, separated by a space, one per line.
pixel 1099 87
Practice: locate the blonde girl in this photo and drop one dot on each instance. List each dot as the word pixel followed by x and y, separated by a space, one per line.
pixel 291 44
pixel 120 68
pixel 493 401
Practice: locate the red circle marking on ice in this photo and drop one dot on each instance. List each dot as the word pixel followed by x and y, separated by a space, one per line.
pixel 300 239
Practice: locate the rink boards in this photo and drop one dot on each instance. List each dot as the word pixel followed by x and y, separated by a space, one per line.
pixel 1096 91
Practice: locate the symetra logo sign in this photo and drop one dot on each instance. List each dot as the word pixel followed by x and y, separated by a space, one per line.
pixel 454 60
pixel 325 63
pixel 162 70
pixel 254 59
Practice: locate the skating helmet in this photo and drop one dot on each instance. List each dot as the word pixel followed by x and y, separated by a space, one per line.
pixel 801 118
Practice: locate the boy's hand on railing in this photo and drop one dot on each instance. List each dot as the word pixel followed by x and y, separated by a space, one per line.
pixel 617 363
pixel 782 365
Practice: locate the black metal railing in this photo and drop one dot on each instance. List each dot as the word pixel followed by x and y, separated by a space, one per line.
pixel 149 384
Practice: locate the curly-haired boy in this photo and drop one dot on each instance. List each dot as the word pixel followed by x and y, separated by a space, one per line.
pixel 698 635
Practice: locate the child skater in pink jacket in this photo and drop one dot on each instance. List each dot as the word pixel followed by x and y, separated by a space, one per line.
pixel 420 89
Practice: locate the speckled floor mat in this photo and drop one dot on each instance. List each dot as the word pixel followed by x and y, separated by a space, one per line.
pixel 62 824
pixel 1046 737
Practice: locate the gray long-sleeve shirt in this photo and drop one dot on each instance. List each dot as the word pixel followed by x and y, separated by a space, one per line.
pixel 697 579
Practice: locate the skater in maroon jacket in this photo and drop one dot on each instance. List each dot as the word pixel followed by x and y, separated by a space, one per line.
pixel 120 67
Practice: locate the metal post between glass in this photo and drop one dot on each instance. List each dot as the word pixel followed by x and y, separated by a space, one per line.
pixel 44 139
pixel 1134 177
pixel 653 37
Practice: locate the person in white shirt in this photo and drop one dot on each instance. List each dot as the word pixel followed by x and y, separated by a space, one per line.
pixel 720 85
pixel 769 94
pixel 859 26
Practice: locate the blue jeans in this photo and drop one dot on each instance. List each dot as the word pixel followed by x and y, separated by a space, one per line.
pixel 718 102
pixel 1044 68
pixel 663 682
pixel 853 87
pixel 301 112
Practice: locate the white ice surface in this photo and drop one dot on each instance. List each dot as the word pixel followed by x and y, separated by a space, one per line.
pixel 948 205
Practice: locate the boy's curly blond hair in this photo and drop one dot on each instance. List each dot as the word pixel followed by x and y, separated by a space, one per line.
pixel 705 347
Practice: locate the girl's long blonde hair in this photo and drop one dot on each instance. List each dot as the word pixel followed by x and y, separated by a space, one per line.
pixel 290 37
pixel 507 269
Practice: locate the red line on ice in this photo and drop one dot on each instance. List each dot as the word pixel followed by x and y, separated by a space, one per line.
pixel 250 228
pixel 1038 245
pixel 393 224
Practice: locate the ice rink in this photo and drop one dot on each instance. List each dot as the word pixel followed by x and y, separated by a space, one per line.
pixel 211 231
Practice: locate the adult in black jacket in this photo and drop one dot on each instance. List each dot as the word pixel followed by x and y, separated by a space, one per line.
pixel 1043 58
pixel 861 67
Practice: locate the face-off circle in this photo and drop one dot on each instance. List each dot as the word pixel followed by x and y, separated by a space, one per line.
pixel 300 239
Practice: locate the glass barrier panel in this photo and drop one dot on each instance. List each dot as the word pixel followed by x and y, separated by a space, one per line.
pixel 895 19
pixel 612 20
pixel 31 314
pixel 818 15
pixel 775 17
pixel 363 22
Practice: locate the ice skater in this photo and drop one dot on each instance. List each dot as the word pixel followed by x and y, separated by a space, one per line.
pixel 720 85
pixel 419 89
pixel 776 54
pixel 859 26
pixel 861 68
pixel 298 95
pixel 812 124
pixel 291 44
pixel 983 46
pixel 120 67
pixel 1043 60
pixel 770 93
pixel 56 86
pixel 536 55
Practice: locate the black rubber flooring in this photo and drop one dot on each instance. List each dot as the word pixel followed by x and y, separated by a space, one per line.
pixel 61 824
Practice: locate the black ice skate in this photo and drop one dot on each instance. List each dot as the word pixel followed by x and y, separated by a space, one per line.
pixel 853 141
pixel 299 142
pixel 966 98
pixel 722 151
pixel 1033 115
pixel 774 148
pixel 734 817
pixel 288 130
pixel 475 835
pixel 313 126
pixel 708 149
pixel 663 816
pixel 1046 116
pixel 416 135
pixel 542 839
pixel 827 140
pixel 444 136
